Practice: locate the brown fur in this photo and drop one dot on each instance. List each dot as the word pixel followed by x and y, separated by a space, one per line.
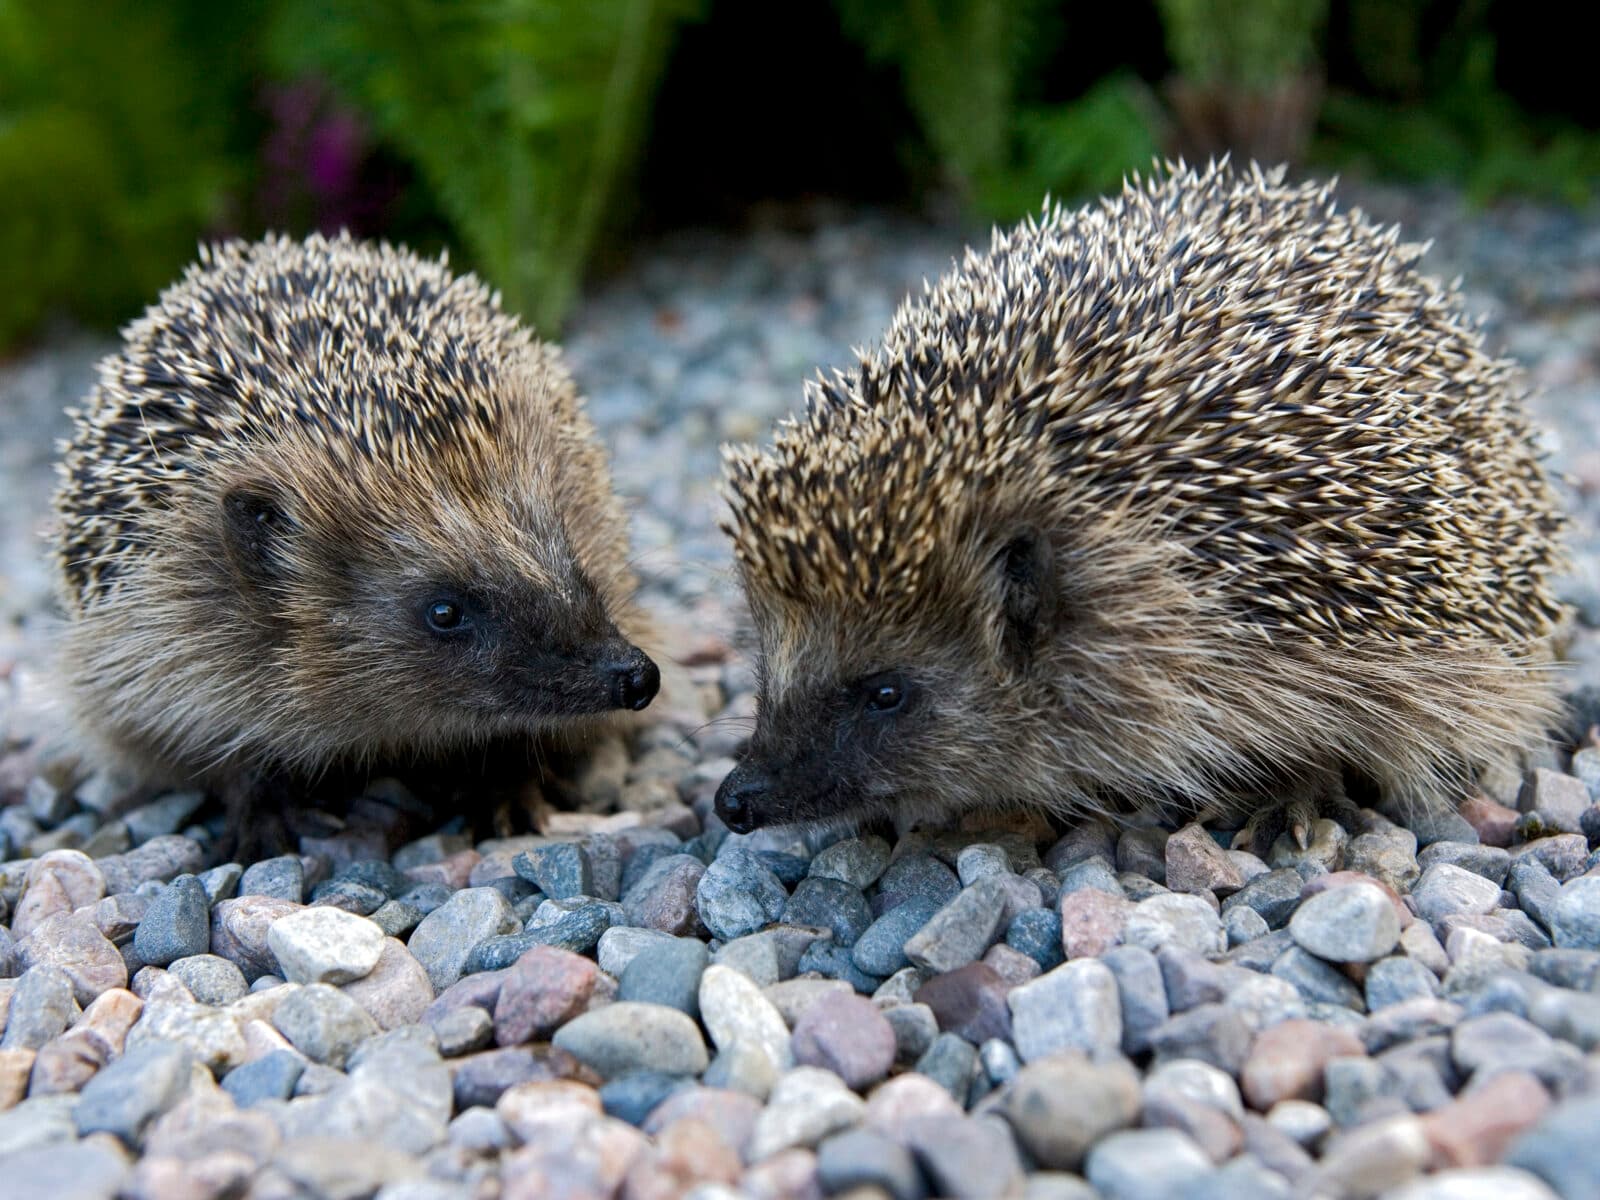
pixel 1196 500
pixel 407 438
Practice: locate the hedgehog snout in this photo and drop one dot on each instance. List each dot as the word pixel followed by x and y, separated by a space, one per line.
pixel 742 796
pixel 633 678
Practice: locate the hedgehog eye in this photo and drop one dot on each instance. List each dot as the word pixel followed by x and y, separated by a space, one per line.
pixel 885 694
pixel 445 616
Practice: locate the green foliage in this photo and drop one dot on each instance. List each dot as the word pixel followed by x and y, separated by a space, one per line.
pixel 1245 44
pixel 966 65
pixel 1467 132
pixel 522 116
pixel 114 149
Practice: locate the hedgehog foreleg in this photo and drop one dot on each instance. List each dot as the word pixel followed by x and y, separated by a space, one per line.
pixel 1296 809
pixel 255 803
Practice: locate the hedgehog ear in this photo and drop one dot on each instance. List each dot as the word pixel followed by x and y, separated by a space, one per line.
pixel 256 523
pixel 1027 589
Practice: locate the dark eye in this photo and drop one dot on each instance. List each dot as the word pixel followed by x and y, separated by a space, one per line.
pixel 444 616
pixel 884 696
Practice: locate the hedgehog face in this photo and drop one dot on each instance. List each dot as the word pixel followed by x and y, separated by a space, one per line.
pixel 444 618
pixel 860 712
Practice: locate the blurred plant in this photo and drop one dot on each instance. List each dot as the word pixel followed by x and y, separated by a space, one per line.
pixel 1447 118
pixel 1247 75
pixel 116 148
pixel 522 116
pixel 965 66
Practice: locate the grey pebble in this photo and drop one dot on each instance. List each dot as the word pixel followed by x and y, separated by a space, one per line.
pixel 1275 896
pixel 271 1077
pixel 1355 923
pixel 1144 1164
pixel 738 895
pixel 864 1157
pixel 560 870
pixel 40 1008
pixel 210 979
pixel 447 936
pixel 915 1029
pixel 463 1030
pixel 283 878
pixel 629 1036
pixel 130 1092
pixel 881 948
pixel 1316 980
pixel 667 973
pixel 1575 915
pixel 912 876
pixel 856 861
pixel 323 1023
pixel 1036 932
pixel 1397 979
pixel 176 925
pixel 961 930
pixel 1074 1007
pixel 951 1062
pixel 1142 993
pixel 831 904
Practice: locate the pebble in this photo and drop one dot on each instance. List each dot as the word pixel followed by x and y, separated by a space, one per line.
pixel 41 1005
pixel 666 972
pixel 1092 921
pixel 738 895
pixel 960 931
pixel 211 980
pixel 823 903
pixel 323 1023
pixel 1562 1149
pixel 270 1077
pixel 1575 915
pixel 545 988
pixel 127 1095
pixel 1375 1157
pixel 282 878
pixel 735 1011
pixel 915 1028
pixel 631 1036
pixel 1274 896
pixel 1075 1006
pixel 447 936
pixel 71 942
pixel 865 1158
pixel 966 1158
pixel 951 1061
pixel 1444 890
pixel 847 1035
pixel 913 876
pixel 1286 1062
pixel 1144 1164
pixel 1485 1183
pixel 857 861
pixel 664 896
pixel 559 871
pixel 881 947
pixel 1062 1105
pixel 620 944
pixel 1196 863
pixel 1036 932
pixel 806 1105
pixel 1184 921
pixel 971 1001
pixel 324 945
pixel 1351 924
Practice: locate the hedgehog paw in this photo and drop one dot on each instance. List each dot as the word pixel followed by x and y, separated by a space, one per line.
pixel 1296 815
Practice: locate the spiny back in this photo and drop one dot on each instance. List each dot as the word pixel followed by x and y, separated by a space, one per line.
pixel 1217 358
pixel 362 350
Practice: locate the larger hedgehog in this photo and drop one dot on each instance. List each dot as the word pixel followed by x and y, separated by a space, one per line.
pixel 329 504
pixel 1202 501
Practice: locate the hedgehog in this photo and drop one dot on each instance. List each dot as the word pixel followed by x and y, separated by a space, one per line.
pixel 329 505
pixel 1200 502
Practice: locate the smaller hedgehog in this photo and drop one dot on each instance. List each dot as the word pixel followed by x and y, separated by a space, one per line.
pixel 1199 502
pixel 330 505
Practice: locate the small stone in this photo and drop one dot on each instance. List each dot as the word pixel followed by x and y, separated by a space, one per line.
pixel 1196 863
pixel 1575 915
pixel 1286 1061
pixel 1476 1129
pixel 1396 980
pixel 239 932
pixel 1562 1149
pixel 447 936
pixel 158 860
pixel 1489 861
pixel 1036 932
pixel 734 1010
pixel 738 895
pixel 915 1029
pixel 664 897
pixel 324 945
pixel 67 1063
pixel 1213 1033
pixel 1375 1157
pixel 847 1035
pixel 1198 1081
pixel 72 942
pixel 323 1023
pixel 966 1158
pixel 92 1171
pixel 211 980
pixel 856 861
pixel 1388 853
pixel 864 1158
pixel 881 948
pixel 1305 1122
pixel 1495 824
pixel 1142 993
pixel 1144 1164
pixel 971 1001
pixel 1243 925
pixel 1092 921
pixel 397 991
pixel 830 904
pixel 1062 1105
pixel 962 930
pixel 1354 923
pixel 1094 872
pixel 1482 1183
pixel 40 1008
pixel 667 972
pixel 807 1104
pixel 1184 921
pixel 1316 980
pixel 560 870
pixel 1275 895
pixel 270 1077
pixel 630 1036
pixel 1444 890
pixel 282 878
pixel 131 1092
pixel 463 1030
pixel 743 1067
pixel 1556 796
pixel 543 990
pixel 1075 1006
pixel 951 1061
pixel 620 944
pixel 914 876
pixel 59 881
pixel 755 956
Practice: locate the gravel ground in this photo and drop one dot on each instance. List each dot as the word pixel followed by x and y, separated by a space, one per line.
pixel 641 1005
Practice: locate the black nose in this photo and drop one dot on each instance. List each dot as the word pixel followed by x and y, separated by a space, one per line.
pixel 635 682
pixel 740 796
